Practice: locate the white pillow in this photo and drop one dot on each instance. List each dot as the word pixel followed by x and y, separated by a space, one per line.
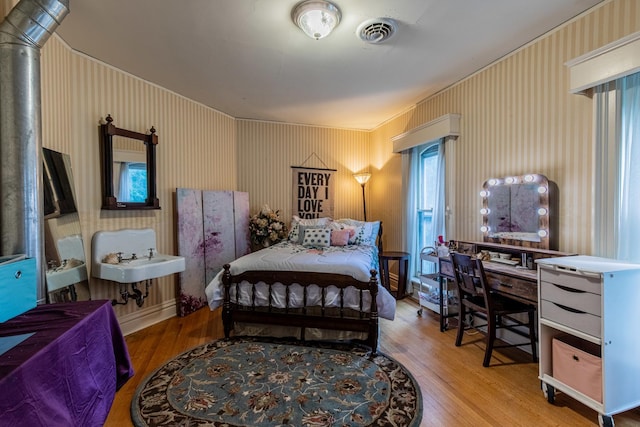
pixel 296 222
pixel 317 238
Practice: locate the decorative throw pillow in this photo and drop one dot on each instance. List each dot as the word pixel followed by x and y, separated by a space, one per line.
pixel 340 237
pixel 366 232
pixel 317 237
pixel 296 222
pixel 353 232
pixel 303 228
pixel 361 237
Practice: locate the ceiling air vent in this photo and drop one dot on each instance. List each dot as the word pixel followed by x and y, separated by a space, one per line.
pixel 377 30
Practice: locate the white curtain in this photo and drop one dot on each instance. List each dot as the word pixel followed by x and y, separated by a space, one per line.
pixel 124 189
pixel 438 219
pixel 410 170
pixel 604 241
pixel 629 185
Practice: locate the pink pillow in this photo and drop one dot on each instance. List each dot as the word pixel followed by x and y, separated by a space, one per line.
pixel 339 237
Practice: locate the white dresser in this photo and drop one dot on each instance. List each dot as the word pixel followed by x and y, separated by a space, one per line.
pixel 589 315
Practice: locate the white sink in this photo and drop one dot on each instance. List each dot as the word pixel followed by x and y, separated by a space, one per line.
pixel 141 269
pixel 128 242
pixel 60 278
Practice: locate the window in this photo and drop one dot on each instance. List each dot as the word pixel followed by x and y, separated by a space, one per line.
pixel 428 176
pixel 132 182
pixel 424 168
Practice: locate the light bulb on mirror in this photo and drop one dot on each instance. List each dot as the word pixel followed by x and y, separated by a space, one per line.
pixel 484 193
pixel 542 211
pixel 484 229
pixel 484 211
pixel 542 233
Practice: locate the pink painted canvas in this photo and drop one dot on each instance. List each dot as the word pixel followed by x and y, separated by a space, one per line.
pixel 213 229
pixel 191 246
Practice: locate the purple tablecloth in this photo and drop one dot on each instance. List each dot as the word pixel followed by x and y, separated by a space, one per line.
pixel 67 373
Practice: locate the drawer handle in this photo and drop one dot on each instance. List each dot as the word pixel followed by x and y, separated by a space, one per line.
pixel 18 274
pixel 575 271
pixel 568 289
pixel 506 285
pixel 573 310
pixel 576 358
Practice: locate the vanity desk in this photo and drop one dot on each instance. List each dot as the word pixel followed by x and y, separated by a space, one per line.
pixel 514 281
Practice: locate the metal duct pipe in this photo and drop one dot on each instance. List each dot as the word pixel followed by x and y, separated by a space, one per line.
pixel 22 34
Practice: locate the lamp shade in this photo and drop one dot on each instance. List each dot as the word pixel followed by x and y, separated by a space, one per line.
pixel 362 178
pixel 316 18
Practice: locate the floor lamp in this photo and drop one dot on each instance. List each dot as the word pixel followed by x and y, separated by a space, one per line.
pixel 362 179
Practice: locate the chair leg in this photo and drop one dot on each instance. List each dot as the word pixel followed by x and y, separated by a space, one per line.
pixel 532 335
pixel 461 315
pixel 491 337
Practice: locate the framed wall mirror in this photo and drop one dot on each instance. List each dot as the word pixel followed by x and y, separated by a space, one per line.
pixel 521 211
pixel 66 275
pixel 128 161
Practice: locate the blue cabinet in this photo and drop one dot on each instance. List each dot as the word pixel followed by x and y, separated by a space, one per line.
pixel 17 287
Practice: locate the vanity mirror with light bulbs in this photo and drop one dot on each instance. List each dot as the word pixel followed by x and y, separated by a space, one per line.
pixel 520 211
pixel 519 227
pixel 128 161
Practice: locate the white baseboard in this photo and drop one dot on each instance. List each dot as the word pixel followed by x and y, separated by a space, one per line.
pixel 146 317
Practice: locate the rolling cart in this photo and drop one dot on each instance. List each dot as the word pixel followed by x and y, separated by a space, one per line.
pixel 434 292
pixel 588 307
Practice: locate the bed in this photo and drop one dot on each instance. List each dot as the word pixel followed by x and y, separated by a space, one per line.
pixel 307 290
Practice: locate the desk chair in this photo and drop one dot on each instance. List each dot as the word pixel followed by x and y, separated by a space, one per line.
pixel 477 297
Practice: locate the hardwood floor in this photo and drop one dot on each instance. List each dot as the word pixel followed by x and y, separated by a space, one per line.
pixel 456 389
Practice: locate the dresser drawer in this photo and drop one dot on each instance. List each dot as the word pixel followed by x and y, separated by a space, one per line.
pixel 571 297
pixel 523 289
pixel 570 279
pixel 583 322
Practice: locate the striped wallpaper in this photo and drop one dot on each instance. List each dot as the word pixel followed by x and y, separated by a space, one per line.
pixel 268 150
pixel 517 117
pixel 196 146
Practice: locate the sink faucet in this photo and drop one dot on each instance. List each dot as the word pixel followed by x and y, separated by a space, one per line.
pixel 120 259
pixel 150 253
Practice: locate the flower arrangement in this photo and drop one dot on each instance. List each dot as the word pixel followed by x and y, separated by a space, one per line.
pixel 266 227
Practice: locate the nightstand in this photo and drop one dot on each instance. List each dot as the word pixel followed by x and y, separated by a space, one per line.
pixel 403 267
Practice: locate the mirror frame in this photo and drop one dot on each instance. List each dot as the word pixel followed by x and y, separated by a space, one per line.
pixel 109 200
pixel 547 215
pixel 58 186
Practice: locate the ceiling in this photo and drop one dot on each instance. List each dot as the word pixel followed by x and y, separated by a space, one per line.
pixel 246 58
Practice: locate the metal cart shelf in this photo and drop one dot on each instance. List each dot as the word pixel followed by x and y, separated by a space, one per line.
pixel 434 292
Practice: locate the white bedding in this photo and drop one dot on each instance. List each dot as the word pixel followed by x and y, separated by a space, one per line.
pixel 353 260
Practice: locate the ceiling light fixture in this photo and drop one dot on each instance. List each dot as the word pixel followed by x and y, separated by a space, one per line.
pixel 316 18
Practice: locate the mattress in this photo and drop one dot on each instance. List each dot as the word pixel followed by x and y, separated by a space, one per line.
pixel 352 260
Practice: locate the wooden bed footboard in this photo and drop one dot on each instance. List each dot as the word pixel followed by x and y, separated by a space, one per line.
pixel 364 319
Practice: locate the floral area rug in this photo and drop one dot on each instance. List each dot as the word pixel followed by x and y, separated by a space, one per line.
pixel 259 382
